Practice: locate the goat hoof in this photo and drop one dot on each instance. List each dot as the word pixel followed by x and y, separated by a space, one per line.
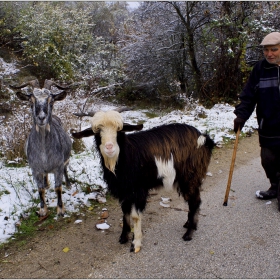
pixel 123 240
pixel 187 237
pixel 42 212
pixel 136 250
pixel 60 211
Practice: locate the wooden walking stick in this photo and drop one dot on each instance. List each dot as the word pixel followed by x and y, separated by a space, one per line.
pixel 231 167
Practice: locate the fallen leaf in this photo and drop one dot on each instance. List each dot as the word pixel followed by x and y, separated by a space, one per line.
pixel 104 215
pixel 74 193
pixel 65 250
pixel 4 261
pixel 90 208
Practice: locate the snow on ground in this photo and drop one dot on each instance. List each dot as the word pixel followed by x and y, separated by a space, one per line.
pixel 18 191
pixel 7 68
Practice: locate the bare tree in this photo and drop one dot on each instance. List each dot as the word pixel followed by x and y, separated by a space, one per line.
pixel 164 44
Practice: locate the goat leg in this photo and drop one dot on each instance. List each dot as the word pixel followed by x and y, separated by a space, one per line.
pixel 60 206
pixel 126 209
pixel 67 181
pixel 46 181
pixel 132 245
pixel 126 229
pixel 43 207
pixel 191 224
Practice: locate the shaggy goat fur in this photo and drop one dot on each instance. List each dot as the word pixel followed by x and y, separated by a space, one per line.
pixel 169 155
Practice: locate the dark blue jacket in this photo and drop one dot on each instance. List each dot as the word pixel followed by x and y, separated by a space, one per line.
pixel 263 90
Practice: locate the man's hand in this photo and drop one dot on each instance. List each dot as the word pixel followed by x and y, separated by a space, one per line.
pixel 238 122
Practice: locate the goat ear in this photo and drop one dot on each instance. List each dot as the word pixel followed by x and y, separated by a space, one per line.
pixel 22 96
pixel 84 133
pixel 130 127
pixel 59 96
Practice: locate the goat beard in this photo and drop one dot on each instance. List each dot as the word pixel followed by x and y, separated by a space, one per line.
pixel 110 162
pixel 47 127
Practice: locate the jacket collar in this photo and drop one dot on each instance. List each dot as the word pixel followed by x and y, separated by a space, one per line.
pixel 268 65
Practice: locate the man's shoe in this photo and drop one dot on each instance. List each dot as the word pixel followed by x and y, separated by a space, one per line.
pixel 269 194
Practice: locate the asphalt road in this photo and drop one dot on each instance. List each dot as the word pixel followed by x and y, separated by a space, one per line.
pixel 237 241
pixel 240 240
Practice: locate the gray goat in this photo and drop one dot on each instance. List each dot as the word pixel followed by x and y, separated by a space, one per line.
pixel 48 146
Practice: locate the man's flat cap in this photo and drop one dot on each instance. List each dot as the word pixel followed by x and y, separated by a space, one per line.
pixel 272 38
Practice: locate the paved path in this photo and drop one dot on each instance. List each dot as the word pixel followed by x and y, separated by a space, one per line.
pixel 240 240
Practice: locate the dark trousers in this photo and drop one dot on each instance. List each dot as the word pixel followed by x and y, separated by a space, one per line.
pixel 270 158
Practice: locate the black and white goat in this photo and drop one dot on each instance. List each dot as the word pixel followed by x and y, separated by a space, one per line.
pixel 169 155
pixel 48 146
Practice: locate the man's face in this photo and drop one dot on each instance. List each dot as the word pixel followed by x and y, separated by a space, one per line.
pixel 272 54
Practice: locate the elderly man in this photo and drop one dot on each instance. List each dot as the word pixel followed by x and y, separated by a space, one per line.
pixel 263 90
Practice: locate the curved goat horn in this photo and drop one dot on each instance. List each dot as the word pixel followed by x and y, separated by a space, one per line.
pixel 122 109
pixel 49 83
pixel 92 113
pixel 89 114
pixel 33 83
